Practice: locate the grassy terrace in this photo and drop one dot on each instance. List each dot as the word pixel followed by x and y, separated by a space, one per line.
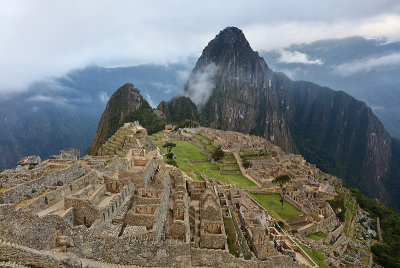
pixel 317 236
pixel 315 255
pixel 203 137
pixel 185 151
pixel 271 202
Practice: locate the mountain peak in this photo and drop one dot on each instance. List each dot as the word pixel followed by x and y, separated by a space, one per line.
pixel 229 43
pixel 231 35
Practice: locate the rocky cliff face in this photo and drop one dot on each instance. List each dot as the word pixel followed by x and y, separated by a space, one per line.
pixel 336 131
pixel 121 104
pixel 235 90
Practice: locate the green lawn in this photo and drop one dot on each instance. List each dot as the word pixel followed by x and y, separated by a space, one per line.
pixel 315 255
pixel 203 137
pixel 271 202
pixel 317 236
pixel 185 151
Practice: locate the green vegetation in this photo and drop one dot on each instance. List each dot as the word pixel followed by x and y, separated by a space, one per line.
pixel 31 167
pixel 282 180
pixel 386 252
pixel 337 205
pixel 1 170
pixel 188 123
pixel 203 137
pixel 218 154
pixel 271 202
pixel 147 119
pixel 315 255
pixel 234 249
pixel 246 164
pixel 317 236
pixel 169 146
pixel 170 155
pixel 186 152
pixel 179 109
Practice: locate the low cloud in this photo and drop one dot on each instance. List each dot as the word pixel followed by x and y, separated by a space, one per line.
pixel 297 57
pixel 52 99
pixel 165 87
pixel 150 100
pixel 367 64
pixel 103 96
pixel 200 84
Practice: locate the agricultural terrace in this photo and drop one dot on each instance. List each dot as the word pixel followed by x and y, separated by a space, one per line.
pixel 271 202
pixel 193 162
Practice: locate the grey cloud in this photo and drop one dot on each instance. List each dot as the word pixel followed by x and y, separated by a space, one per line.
pixel 200 84
pixel 52 99
pixel 367 64
pixel 288 56
pixel 41 38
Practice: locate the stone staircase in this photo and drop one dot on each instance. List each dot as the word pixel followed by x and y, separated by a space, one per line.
pixel 120 143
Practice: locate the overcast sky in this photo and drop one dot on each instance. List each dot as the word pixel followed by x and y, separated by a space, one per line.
pixel 46 38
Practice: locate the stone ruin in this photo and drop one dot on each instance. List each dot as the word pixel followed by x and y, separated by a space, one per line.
pixel 126 206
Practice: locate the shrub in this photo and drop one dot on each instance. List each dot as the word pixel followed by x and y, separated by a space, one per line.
pixel 169 145
pixel 246 164
pixel 169 155
pixel 31 167
pixel 218 154
pixel 172 162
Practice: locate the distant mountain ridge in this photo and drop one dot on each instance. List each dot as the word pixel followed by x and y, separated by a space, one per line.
pixel 63 112
pixel 367 69
pixel 330 128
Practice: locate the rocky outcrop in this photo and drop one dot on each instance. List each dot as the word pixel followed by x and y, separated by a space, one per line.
pixel 121 104
pixel 178 109
pixel 29 160
pixel 67 154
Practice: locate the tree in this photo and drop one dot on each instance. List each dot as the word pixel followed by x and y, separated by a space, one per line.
pixel 169 146
pixel 246 164
pixel 282 180
pixel 170 156
pixel 217 154
pixel 188 123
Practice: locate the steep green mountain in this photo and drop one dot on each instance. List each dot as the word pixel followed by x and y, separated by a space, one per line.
pixel 126 104
pixel 178 109
pixel 235 90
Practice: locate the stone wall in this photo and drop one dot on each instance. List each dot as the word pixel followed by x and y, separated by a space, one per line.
pixel 25 228
pixel 35 187
pixel 294 202
pixel 29 257
pixel 163 209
